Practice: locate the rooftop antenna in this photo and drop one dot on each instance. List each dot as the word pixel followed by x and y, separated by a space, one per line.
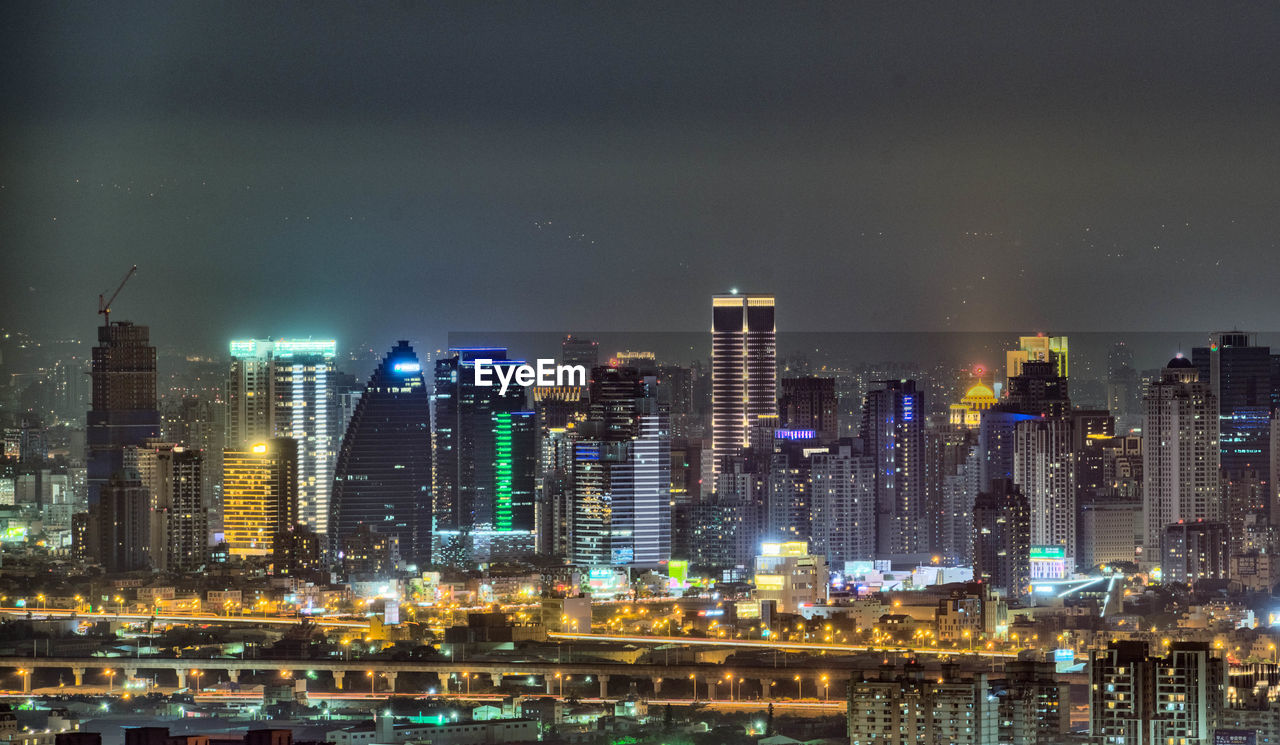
pixel 104 306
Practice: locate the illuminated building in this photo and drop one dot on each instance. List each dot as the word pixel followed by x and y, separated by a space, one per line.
pixel 622 474
pixel 744 370
pixel 296 552
pixel 1238 373
pixel 789 575
pixel 968 413
pixel 906 706
pixel 1043 470
pixel 1111 530
pixel 1192 550
pixel 893 433
pixel 1039 348
pixel 367 553
pixel 809 403
pixel 260 495
pixel 1140 699
pixel 843 494
pixel 1180 451
pixel 1035 706
pixel 1002 538
pixel 383 473
pixel 284 388
pixel 1039 389
pixel 485 468
pixel 180 541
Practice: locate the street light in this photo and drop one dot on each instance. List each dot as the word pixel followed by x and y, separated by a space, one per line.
pixel 373 681
pixel 799 688
pixel 196 673
pixel 111 678
pixel 26 679
pixel 693 681
pixel 826 689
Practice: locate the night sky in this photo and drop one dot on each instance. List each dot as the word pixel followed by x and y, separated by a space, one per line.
pixel 375 171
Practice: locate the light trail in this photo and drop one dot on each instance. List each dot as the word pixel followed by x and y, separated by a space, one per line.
pixel 768 644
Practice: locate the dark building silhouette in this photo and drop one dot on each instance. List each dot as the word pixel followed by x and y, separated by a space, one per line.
pixel 1002 538
pixel 124 408
pixel 124 524
pixel 383 474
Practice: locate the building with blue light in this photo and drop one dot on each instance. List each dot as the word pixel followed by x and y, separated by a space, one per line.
pixel 893 434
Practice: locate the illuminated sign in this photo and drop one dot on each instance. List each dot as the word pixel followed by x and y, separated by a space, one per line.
pixel 773 582
pixel 678 570
pixel 794 434
pixel 407 368
pixel 1048 552
pixel 290 347
pixel 1235 737
pixel 908 408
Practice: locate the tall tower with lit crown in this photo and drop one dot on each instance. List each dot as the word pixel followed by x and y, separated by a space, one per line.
pixel 744 370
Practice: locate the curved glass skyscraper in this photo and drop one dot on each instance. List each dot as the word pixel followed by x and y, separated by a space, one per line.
pixel 383 474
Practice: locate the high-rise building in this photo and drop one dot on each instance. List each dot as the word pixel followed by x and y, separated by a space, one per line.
pixel 123 524
pixel 622 474
pixel 843 495
pixel 1043 470
pixel 123 414
pixel 809 404
pixel 182 543
pixel 893 433
pixel 577 350
pixel 383 473
pixel 475 516
pixel 909 707
pixel 1002 538
pixel 285 388
pixel 260 495
pixel 1139 699
pixel 1180 452
pixel 1238 373
pixel 744 370
pixel 1192 550
pixel 1035 707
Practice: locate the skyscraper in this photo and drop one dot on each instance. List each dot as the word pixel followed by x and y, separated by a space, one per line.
pixel 124 408
pixel 284 388
pixel 1002 538
pixel 260 495
pixel 893 434
pixel 744 370
pixel 383 473
pixel 622 474
pixel 122 523
pixel 1138 698
pixel 480 432
pixel 843 495
pixel 1180 452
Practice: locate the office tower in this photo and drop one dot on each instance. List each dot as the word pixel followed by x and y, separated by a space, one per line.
pixel 676 385
pixel 622 474
pixel 788 504
pixel 909 707
pixel 284 388
pixel 1180 454
pixel 576 350
pixel 123 409
pixel 744 370
pixel 1139 699
pixel 1002 538
pixel 555 489
pixel 1040 348
pixel 1042 469
pixel 367 554
pixel 260 495
pixel 809 403
pixel 178 501
pixel 958 489
pixel 123 525
pixel 1192 550
pixel 383 473
pixel 726 525
pixel 893 433
pixel 473 522
pixel 843 494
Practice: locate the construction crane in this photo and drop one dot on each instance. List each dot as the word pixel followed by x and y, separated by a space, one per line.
pixel 104 306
